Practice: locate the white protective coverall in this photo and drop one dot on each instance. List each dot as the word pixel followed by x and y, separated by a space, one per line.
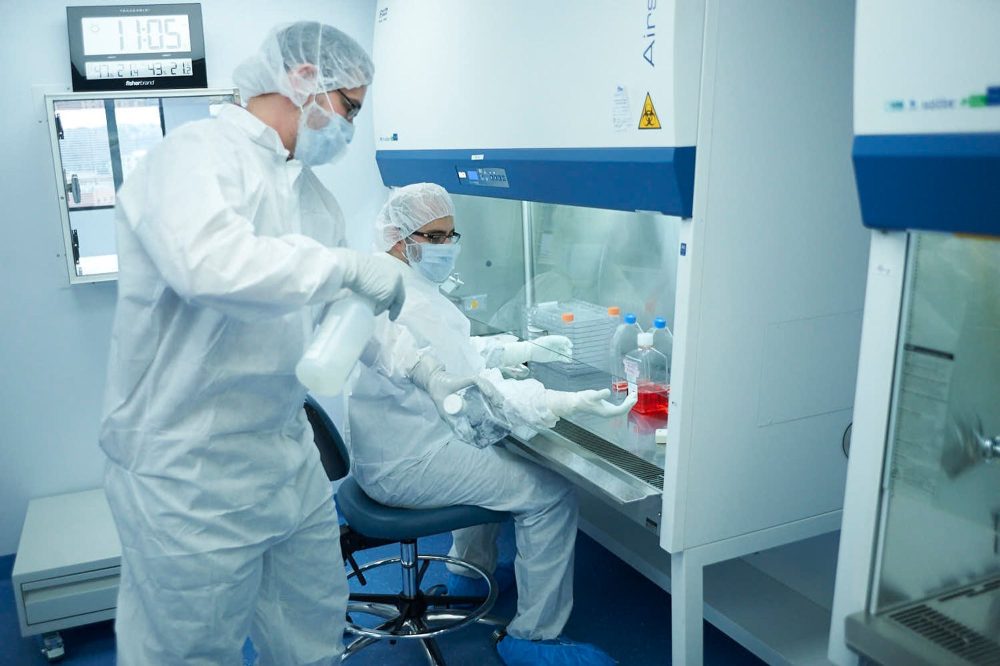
pixel 224 512
pixel 404 454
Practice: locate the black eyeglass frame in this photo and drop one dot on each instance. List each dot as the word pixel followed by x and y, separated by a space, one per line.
pixel 353 108
pixel 439 237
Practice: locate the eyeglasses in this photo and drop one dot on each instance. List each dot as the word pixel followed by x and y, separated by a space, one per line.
pixel 353 108
pixel 439 237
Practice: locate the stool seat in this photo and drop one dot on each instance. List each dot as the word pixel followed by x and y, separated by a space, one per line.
pixel 411 613
pixel 373 519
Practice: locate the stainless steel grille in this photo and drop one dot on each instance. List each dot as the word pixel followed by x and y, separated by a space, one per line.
pixel 620 458
pixel 953 636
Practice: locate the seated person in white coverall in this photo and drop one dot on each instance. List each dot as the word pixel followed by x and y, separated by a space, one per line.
pixel 403 453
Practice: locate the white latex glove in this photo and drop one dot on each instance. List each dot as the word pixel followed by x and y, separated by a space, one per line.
pixel 377 277
pixel 430 375
pixel 563 403
pixel 545 349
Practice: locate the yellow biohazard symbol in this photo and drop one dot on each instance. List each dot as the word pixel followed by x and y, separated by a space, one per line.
pixel 648 119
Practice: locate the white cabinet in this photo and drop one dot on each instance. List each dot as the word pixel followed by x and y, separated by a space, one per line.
pixel 66 570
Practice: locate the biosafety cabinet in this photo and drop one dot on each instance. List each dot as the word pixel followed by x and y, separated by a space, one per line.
pixel 918 578
pixel 689 160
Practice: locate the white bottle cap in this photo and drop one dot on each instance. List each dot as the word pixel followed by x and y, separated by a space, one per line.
pixel 645 339
pixel 661 435
pixel 453 404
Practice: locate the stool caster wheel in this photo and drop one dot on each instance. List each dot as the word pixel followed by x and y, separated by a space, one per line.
pixel 52 647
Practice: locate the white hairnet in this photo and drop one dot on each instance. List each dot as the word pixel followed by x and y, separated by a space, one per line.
pixel 341 62
pixel 408 209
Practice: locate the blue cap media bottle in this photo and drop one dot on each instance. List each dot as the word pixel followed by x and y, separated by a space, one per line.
pixel 623 340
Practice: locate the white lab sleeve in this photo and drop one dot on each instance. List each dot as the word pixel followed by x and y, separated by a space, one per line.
pixel 189 220
pixel 393 351
pixel 491 347
pixel 524 403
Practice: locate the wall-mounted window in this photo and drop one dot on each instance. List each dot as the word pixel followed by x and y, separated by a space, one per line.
pixel 97 140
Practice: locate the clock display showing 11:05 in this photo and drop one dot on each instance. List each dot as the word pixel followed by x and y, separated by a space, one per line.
pixel 144 69
pixel 150 34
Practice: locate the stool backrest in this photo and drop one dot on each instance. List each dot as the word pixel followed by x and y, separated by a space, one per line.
pixel 332 450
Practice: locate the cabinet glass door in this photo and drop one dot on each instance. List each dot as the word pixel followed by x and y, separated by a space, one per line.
pixel 523 266
pixel 940 527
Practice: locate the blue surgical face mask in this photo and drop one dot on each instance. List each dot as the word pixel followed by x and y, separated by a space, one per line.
pixel 434 262
pixel 319 146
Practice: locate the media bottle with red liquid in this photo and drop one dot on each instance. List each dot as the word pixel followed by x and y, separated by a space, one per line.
pixel 646 372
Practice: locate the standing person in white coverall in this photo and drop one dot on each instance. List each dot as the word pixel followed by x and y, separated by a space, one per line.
pixel 403 453
pixel 228 250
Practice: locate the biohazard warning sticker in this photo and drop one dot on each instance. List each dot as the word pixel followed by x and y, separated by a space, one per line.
pixel 648 120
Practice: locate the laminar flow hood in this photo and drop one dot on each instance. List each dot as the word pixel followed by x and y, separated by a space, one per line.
pixel 589 104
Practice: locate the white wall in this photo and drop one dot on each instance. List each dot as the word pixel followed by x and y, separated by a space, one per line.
pixel 53 337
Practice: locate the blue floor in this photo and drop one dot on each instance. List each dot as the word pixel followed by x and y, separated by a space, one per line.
pixel 616 609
